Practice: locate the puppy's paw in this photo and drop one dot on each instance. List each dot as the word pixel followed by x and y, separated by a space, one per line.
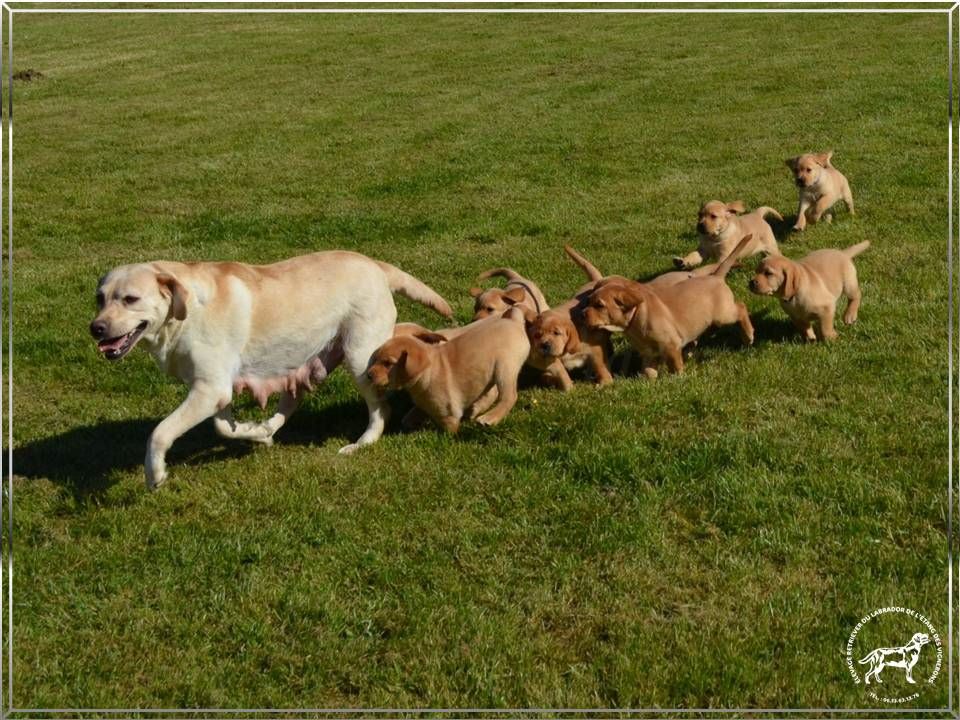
pixel 650 373
pixel 349 449
pixel 797 228
pixel 266 440
pixel 678 263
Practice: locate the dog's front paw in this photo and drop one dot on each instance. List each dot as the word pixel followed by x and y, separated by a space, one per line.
pixel 349 449
pixel 155 479
pixel 797 228
pixel 265 440
pixel 679 264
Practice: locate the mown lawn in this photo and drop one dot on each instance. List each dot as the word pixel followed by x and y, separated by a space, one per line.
pixel 707 540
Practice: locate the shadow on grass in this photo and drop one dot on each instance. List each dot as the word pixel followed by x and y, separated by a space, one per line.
pixel 86 461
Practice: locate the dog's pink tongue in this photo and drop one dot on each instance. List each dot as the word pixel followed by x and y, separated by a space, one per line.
pixel 107 345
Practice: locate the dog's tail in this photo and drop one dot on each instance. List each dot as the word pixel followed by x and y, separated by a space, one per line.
pixel 508 273
pixel 871 658
pixel 764 211
pixel 588 267
pixel 408 285
pixel 730 260
pixel 854 250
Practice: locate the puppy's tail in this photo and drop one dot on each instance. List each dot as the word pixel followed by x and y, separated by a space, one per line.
pixel 408 285
pixel 730 260
pixel 508 273
pixel 588 267
pixel 854 250
pixel 764 211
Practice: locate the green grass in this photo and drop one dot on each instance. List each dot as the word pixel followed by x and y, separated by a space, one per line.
pixel 707 540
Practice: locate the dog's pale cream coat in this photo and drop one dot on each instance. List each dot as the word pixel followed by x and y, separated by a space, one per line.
pixel 228 327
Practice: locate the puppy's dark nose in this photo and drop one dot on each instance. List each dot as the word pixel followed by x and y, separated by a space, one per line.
pixel 98 328
pixel 545 347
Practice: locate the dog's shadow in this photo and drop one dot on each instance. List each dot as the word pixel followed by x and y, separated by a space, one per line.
pixel 87 461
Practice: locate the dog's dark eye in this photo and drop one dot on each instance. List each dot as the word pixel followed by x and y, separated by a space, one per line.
pixel 557 331
pixel 713 216
pixel 130 299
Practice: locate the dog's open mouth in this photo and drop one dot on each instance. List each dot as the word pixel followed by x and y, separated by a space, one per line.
pixel 116 348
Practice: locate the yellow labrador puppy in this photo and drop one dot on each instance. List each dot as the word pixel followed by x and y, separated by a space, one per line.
pixel 660 321
pixel 228 327
pixel 518 291
pixel 455 379
pixel 809 288
pixel 721 226
pixel 820 184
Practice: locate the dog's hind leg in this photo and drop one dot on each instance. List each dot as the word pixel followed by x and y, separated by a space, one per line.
pixel 360 343
pixel 259 432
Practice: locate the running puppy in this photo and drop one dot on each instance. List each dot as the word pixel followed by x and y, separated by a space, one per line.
pixel 808 289
pixel 722 226
pixel 518 291
pixel 223 328
pixel 454 380
pixel 560 341
pixel 660 321
pixel 821 185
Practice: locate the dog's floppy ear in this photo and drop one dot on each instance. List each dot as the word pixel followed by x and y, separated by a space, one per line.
pixel 790 282
pixel 513 296
pixel 476 292
pixel 824 158
pixel 792 162
pixel 412 362
pixel 573 339
pixel 431 338
pixel 178 294
pixel 736 207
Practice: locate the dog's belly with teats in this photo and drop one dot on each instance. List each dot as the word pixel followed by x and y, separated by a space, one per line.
pixel 262 382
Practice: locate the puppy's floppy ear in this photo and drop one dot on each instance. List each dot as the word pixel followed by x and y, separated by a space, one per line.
pixel 431 338
pixel 736 207
pixel 573 339
pixel 513 296
pixel 178 294
pixel 790 282
pixel 824 158
pixel 412 362
pixel 792 162
pixel 476 292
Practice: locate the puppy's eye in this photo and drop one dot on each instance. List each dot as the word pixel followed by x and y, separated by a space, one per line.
pixel 557 331
pixel 713 216
pixel 490 309
pixel 130 299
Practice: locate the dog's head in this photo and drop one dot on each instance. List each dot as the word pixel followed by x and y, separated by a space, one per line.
pixel 613 306
pixel 807 168
pixel 552 334
pixel 776 276
pixel 715 216
pixel 401 360
pixel 134 301
pixel 494 301
pixel 920 639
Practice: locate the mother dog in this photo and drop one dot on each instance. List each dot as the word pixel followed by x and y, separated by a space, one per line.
pixel 226 327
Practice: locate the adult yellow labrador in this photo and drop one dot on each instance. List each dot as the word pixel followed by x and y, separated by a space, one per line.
pixel 226 327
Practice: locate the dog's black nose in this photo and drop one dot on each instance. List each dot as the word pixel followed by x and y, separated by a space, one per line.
pixel 98 328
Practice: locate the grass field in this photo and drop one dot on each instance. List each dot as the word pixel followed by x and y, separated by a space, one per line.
pixel 708 540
